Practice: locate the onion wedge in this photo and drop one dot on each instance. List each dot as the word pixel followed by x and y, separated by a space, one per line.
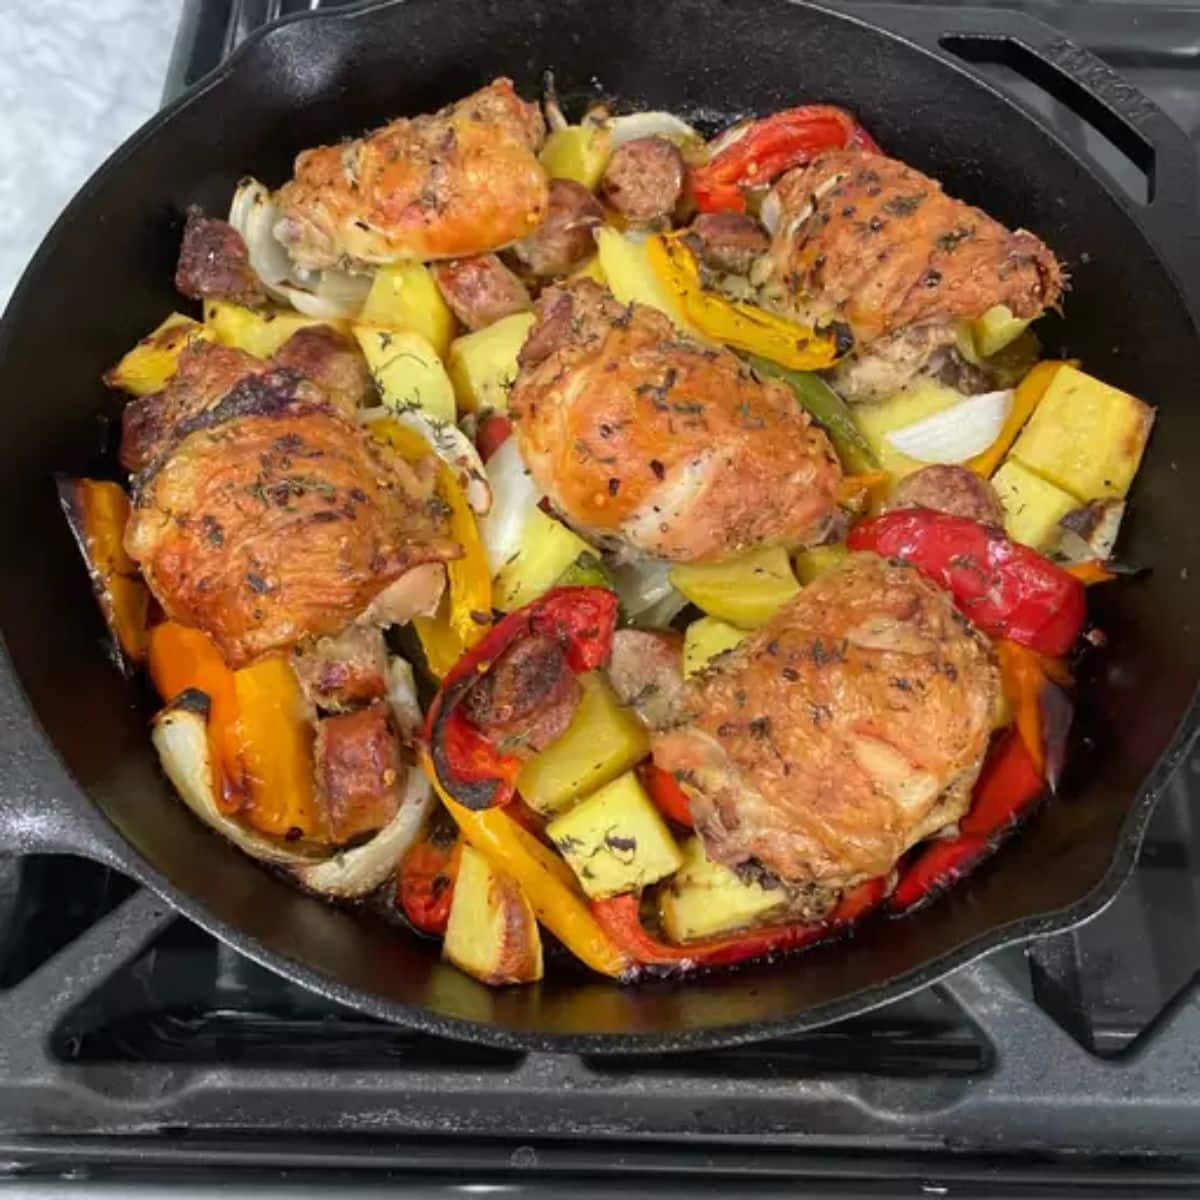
pixel 957 433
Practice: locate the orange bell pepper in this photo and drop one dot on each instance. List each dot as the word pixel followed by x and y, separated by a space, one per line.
pixel 1023 679
pixel 98 511
pixel 181 659
pixel 277 747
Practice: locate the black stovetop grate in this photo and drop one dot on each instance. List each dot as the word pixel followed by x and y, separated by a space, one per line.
pixel 1075 1058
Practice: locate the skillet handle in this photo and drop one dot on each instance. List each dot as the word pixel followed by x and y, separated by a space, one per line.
pixel 42 809
pixel 1098 95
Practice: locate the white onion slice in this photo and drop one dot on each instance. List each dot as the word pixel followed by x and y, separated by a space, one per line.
pixel 350 873
pixel 956 433
pixel 402 698
pixel 180 735
pixel 337 296
pixel 253 214
pixel 325 295
pixel 514 496
pixel 641 584
pixel 660 614
pixel 771 212
pixel 734 133
pixel 651 124
pixel 449 443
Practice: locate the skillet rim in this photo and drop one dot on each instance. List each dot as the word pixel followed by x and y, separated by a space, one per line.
pixel 110 846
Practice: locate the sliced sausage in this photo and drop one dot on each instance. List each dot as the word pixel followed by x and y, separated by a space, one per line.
pixel 526 699
pixel 214 261
pixel 564 238
pixel 359 771
pixel 644 179
pixel 333 362
pixel 728 241
pixel 950 489
pixel 646 671
pixel 480 290
pixel 342 672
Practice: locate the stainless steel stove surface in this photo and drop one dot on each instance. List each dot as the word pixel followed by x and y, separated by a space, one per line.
pixel 140 1056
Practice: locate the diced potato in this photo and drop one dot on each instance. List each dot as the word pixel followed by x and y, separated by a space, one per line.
pixel 548 548
pixel 258 333
pixel 913 404
pixel 483 365
pixel 578 152
pixel 630 276
pixel 705 639
pixel 1032 507
pixel 615 840
pixel 492 932
pixel 590 270
pixel 407 370
pixel 996 329
pixel 148 366
pixel 405 296
pixel 812 563
pixel 603 740
pixel 745 591
pixel 706 898
pixel 1085 436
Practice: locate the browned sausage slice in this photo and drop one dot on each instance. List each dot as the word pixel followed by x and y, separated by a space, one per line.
pixel 564 238
pixel 480 290
pixel 728 241
pixel 526 699
pixel 214 261
pixel 950 489
pixel 644 179
pixel 646 671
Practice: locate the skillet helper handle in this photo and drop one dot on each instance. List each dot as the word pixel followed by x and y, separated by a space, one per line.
pixel 1098 95
pixel 42 810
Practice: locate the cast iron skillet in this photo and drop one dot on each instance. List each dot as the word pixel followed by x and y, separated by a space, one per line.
pixel 78 771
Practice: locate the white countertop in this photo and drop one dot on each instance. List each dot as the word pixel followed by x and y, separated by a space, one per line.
pixel 76 78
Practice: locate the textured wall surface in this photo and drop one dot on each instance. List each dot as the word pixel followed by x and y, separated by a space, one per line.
pixel 76 78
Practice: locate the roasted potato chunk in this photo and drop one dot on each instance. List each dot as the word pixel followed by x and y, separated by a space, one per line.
pixel 492 932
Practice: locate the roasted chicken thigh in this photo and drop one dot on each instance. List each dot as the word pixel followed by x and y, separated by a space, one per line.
pixel 845 730
pixel 671 447
pixel 459 182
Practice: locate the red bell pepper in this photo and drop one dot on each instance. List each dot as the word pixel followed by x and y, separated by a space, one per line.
pixel 669 798
pixel 1007 589
pixel 770 146
pixel 428 872
pixel 494 430
pixel 1007 790
pixel 620 918
pixel 469 765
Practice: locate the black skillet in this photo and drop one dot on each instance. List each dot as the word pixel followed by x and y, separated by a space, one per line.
pixel 78 771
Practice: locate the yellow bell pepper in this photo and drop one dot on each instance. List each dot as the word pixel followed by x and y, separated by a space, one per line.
pixel 1028 395
pixel 742 326
pixel 464 618
pixel 545 879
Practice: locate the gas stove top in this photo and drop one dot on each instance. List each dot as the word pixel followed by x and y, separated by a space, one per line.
pixel 140 1056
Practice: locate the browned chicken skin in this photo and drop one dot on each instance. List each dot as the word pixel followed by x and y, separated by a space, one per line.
pixel 884 248
pixel 463 181
pixel 208 371
pixel 677 449
pixel 849 727
pixel 272 519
